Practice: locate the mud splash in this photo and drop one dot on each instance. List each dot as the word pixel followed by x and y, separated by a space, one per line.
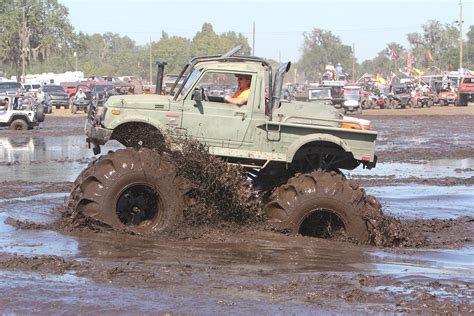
pixel 222 198
pixel 220 192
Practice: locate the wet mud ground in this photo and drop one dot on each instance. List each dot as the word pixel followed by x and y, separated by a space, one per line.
pixel 424 177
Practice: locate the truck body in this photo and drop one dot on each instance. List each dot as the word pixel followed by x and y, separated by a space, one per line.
pixel 255 134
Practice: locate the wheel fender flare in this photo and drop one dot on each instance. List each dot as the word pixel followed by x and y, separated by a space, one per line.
pixel 23 117
pixel 300 142
pixel 138 121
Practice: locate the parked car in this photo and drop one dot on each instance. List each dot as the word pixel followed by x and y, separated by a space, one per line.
pixel 101 92
pixel 10 87
pixel 466 90
pixel 57 95
pixel 32 87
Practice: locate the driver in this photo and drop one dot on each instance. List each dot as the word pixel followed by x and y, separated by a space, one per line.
pixel 80 95
pixel 240 96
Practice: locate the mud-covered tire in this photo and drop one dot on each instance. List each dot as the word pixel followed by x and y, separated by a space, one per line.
pixel 40 113
pixel 73 109
pixel 132 190
pixel 295 204
pixel 19 125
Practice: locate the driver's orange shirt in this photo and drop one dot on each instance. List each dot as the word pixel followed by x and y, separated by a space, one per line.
pixel 242 93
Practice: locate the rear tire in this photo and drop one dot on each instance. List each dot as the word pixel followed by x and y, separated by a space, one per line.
pixel 73 109
pixel 132 190
pixel 318 204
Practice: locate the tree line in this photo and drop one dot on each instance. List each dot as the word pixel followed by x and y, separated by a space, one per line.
pixel 38 35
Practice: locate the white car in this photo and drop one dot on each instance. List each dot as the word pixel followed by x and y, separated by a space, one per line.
pixel 27 117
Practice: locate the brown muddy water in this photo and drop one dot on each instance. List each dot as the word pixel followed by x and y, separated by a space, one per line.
pixel 424 177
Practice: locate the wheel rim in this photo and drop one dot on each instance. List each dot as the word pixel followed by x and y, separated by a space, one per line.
pixel 139 205
pixel 321 223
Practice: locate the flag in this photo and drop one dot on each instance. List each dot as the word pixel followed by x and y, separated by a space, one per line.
pixel 430 57
pixel 409 62
pixel 394 55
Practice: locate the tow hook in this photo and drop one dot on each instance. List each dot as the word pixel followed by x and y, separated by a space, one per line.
pixel 96 148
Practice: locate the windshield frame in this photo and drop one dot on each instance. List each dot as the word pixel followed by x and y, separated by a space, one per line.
pixel 194 74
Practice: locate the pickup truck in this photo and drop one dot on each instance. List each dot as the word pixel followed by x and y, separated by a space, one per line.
pixel 466 90
pixel 295 151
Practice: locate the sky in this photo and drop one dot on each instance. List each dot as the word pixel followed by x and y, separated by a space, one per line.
pixel 279 24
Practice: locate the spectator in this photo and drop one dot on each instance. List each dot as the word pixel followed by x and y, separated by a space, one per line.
pixel 40 95
pixel 5 104
pixel 339 69
pixel 16 100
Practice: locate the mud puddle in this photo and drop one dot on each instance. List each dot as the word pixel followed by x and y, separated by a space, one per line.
pixel 247 271
pixel 51 158
pixel 431 169
pixel 425 201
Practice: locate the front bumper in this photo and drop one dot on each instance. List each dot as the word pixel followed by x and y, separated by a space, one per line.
pixel 468 94
pixel 96 135
pixel 59 102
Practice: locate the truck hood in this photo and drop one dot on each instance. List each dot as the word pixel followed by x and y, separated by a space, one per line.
pixel 140 101
pixel 301 112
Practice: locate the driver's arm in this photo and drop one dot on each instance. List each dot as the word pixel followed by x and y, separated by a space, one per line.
pixel 239 100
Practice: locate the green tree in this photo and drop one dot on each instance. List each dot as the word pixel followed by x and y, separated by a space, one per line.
pixel 469 49
pixel 174 50
pixel 38 29
pixel 320 48
pixel 206 42
pixel 434 46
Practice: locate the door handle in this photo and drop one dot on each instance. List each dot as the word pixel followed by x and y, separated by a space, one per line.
pixel 241 113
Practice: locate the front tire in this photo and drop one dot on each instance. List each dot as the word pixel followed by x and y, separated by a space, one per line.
pixel 132 190
pixel 319 204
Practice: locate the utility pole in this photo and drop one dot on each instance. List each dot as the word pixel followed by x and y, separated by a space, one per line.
pixel 253 40
pixel 75 57
pixel 353 62
pixel 24 36
pixel 460 35
pixel 151 65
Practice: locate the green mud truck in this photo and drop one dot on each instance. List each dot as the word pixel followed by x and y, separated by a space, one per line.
pixel 295 150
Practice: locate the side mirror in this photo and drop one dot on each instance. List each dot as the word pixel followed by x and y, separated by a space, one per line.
pixel 197 94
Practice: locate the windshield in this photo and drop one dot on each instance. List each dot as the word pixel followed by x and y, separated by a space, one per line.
pixel 320 94
pixel 351 96
pixel 53 89
pixel 10 85
pixel 468 80
pixel 100 87
pixel 192 77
